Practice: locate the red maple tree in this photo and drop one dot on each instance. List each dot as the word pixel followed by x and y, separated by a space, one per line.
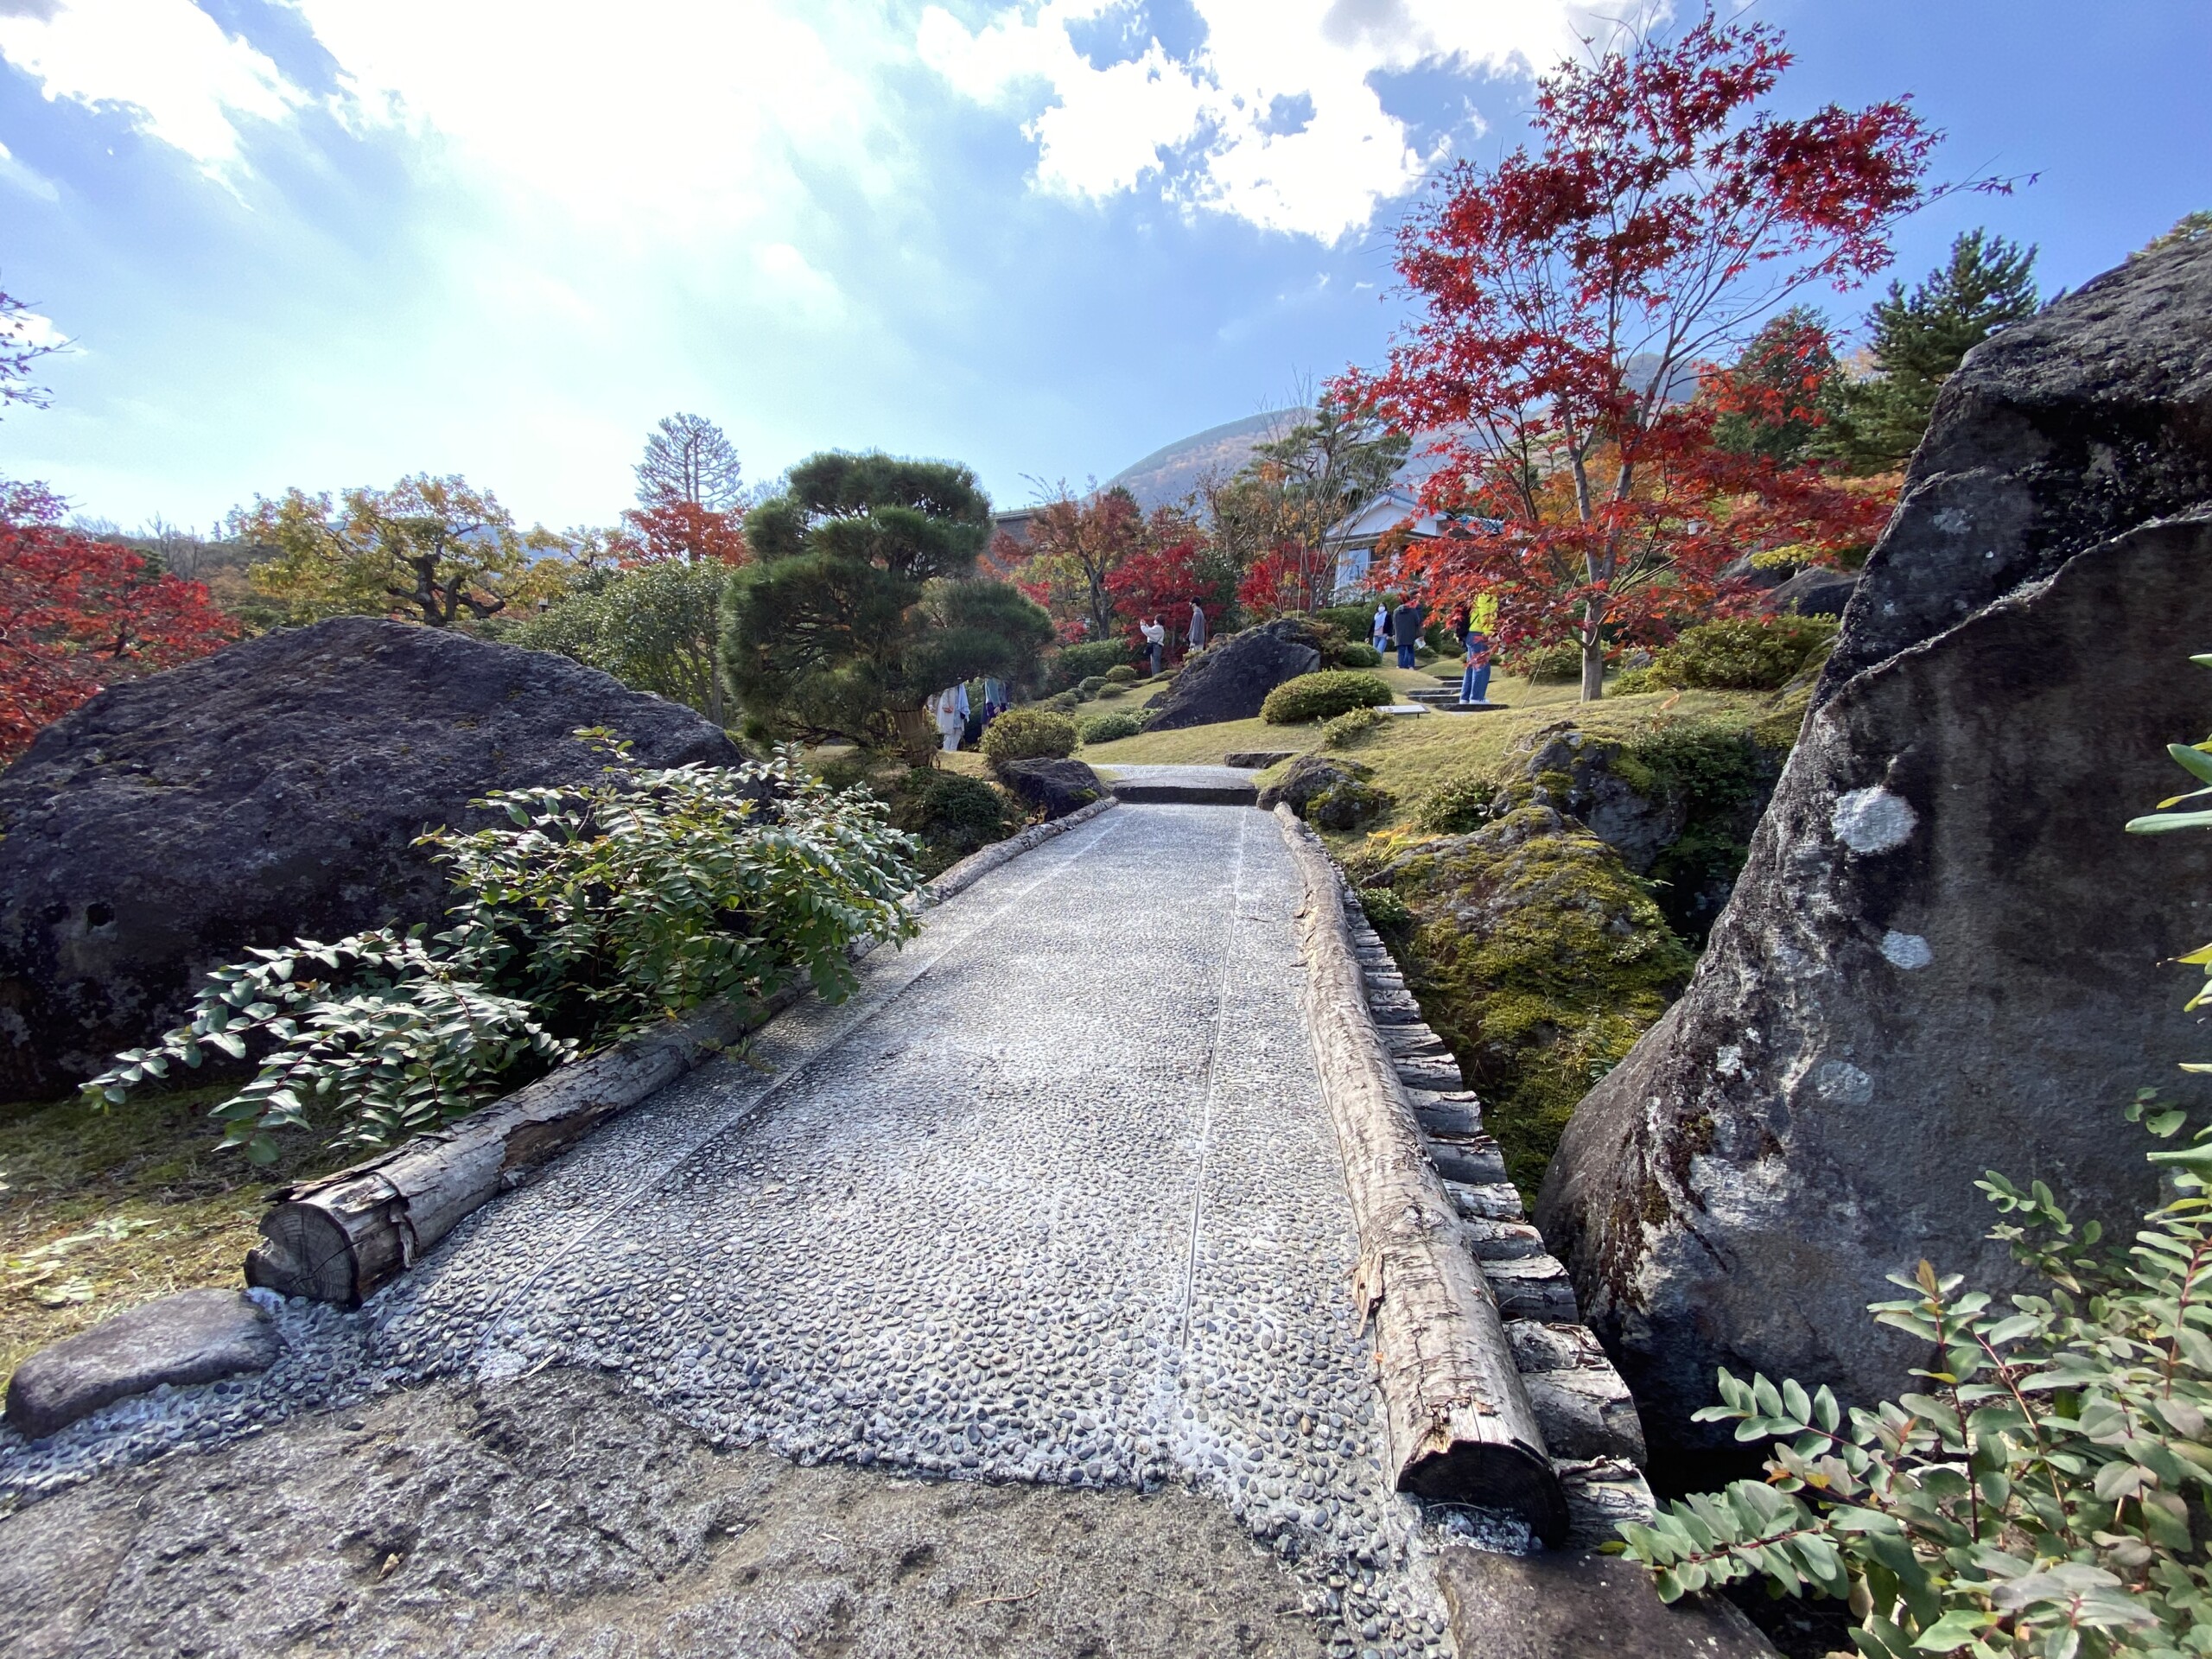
pixel 1573 302
pixel 1163 576
pixel 681 529
pixel 77 615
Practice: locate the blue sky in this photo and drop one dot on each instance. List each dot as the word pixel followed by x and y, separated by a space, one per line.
pixel 331 242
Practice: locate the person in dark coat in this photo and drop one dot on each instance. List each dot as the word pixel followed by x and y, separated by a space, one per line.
pixel 1405 627
pixel 1197 627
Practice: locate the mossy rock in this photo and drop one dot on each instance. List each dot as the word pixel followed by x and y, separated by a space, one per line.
pixel 1540 959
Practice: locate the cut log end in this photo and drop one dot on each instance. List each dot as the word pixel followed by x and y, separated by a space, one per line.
pixel 304 1252
pixel 1515 1477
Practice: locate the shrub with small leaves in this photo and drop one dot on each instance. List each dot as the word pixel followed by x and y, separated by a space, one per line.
pixel 596 909
pixel 1742 653
pixel 1631 682
pixel 1549 664
pixel 1457 805
pixel 1385 909
pixel 1029 734
pixel 1358 655
pixel 1106 729
pixel 1318 696
pixel 1347 729
pixel 2044 1494
pixel 1121 674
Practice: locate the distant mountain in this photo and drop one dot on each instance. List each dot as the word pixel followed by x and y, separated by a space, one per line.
pixel 1169 473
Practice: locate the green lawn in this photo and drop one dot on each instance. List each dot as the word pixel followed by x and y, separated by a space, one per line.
pixel 99 1211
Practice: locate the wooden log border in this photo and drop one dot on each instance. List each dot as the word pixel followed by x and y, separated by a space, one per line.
pixel 1457 1416
pixel 344 1237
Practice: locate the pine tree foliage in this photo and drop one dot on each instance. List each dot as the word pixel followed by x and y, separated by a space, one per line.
pixel 862 600
pixel 1919 340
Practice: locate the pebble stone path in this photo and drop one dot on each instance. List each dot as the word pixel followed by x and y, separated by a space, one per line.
pixel 1053 1198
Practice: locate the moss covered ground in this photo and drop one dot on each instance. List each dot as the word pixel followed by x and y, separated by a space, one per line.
pixel 99 1211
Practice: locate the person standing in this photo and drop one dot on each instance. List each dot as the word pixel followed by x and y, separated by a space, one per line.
pixel 1462 623
pixel 951 708
pixel 1474 684
pixel 1382 624
pixel 1155 640
pixel 1405 625
pixel 1197 627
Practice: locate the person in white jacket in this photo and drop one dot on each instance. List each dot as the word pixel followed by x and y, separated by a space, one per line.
pixel 951 707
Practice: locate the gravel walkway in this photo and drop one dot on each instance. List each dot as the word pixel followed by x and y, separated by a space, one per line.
pixel 1052 1200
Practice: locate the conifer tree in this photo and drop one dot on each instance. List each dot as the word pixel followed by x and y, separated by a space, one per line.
pixel 1918 341
pixel 862 600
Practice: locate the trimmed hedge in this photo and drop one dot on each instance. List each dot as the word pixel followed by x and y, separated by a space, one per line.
pixel 1121 674
pixel 1318 696
pixel 1071 665
pixel 1105 728
pixel 1358 656
pixel 1742 653
pixel 1028 734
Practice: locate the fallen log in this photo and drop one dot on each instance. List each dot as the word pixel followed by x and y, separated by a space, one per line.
pixel 343 1237
pixel 1457 1416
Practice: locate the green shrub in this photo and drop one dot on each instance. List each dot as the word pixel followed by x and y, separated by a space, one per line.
pixel 951 814
pixel 1356 655
pixel 1317 696
pixel 1457 805
pixel 1353 621
pixel 1121 674
pixel 1028 734
pixel 1385 909
pixel 1060 703
pixel 1112 688
pixel 1631 682
pixel 1346 729
pixel 1091 684
pixel 591 910
pixel 1071 665
pixel 1743 653
pixel 1106 728
pixel 1550 664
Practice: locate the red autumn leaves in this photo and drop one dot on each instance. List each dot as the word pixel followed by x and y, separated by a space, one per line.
pixel 77 615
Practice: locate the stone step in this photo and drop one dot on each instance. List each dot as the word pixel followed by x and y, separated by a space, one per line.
pixel 1256 759
pixel 1187 794
pixel 1532 1287
pixel 1451 1112
pixel 1581 1403
pixel 1601 1493
pixel 1471 1159
pixel 1413 1043
pixel 1487 1200
pixel 1394 1007
pixel 1418 1073
pixel 1503 1241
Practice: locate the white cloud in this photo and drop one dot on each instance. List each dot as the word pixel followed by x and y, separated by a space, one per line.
pixel 27 179
pixel 1222 129
pixel 185 80
pixel 29 329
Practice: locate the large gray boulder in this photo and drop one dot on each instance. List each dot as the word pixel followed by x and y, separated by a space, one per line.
pixel 269 792
pixel 1231 679
pixel 1944 955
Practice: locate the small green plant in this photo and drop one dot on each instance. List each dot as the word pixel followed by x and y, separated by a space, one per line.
pixel 1457 805
pixel 1385 909
pixel 594 910
pixel 1346 730
pixel 1358 655
pixel 1629 682
pixel 951 814
pixel 1106 729
pixel 1092 684
pixel 1741 653
pixel 1029 734
pixel 1558 664
pixel 1318 696
pixel 1121 674
pixel 1071 665
pixel 2045 1494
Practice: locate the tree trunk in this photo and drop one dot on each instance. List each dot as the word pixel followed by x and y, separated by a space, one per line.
pixel 342 1238
pixel 1593 670
pixel 1456 1414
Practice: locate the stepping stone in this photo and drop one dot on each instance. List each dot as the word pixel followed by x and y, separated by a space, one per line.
pixel 1557 1603
pixel 1257 759
pixel 196 1336
pixel 1422 1073
pixel 1581 1403
pixel 1503 1241
pixel 1188 785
